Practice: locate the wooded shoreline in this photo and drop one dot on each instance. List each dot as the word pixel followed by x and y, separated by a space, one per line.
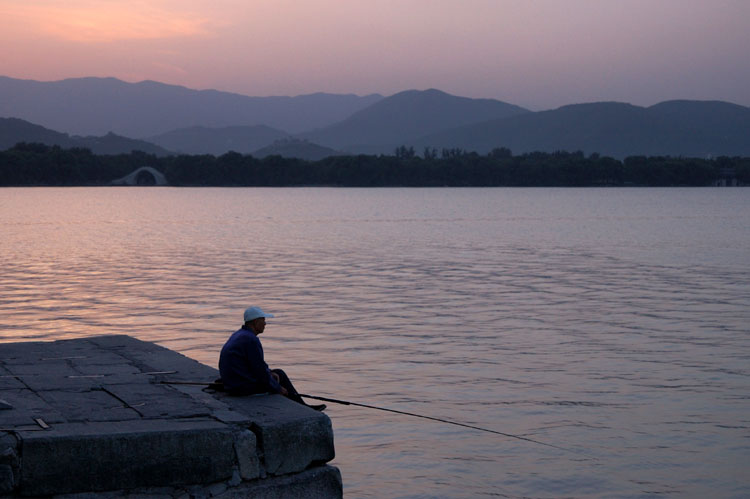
pixel 42 165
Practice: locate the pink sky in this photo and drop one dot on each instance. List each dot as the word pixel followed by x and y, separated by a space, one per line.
pixel 535 53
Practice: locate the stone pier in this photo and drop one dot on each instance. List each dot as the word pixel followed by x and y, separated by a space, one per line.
pixel 107 417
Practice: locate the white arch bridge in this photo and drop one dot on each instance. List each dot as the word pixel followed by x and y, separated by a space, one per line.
pixel 145 175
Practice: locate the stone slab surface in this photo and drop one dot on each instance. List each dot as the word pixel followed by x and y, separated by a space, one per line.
pixel 104 413
pixel 9 380
pixel 89 405
pixel 106 378
pixel 27 406
pixel 157 400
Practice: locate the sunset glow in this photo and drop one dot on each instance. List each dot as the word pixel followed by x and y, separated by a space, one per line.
pixel 104 22
pixel 537 53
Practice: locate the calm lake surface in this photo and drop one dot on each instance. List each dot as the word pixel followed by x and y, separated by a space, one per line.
pixel 612 322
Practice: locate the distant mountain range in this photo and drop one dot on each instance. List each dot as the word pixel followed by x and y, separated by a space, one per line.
pixel 14 130
pixel 96 106
pixel 176 119
pixel 406 116
pixel 296 148
pixel 676 128
pixel 216 141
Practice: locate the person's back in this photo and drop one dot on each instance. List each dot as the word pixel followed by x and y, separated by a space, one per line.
pixel 242 367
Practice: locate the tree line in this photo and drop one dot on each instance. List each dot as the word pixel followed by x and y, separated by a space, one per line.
pixel 41 165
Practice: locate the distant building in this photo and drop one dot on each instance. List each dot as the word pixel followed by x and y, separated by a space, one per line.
pixel 727 177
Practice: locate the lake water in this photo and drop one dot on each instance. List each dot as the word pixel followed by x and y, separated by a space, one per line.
pixel 611 322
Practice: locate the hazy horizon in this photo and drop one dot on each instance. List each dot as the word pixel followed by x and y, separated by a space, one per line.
pixel 539 54
pixel 354 93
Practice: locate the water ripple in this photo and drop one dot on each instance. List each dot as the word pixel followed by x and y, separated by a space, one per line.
pixel 610 321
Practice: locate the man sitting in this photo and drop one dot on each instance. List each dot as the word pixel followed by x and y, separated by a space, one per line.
pixel 242 367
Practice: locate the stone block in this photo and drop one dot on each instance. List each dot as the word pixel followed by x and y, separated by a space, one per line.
pixel 158 401
pixel 202 397
pixel 161 359
pixel 20 352
pixel 229 416
pixel 8 381
pixel 114 494
pixel 96 356
pixel 95 405
pixel 150 357
pixel 8 441
pixel 145 493
pixel 8 456
pixel 154 492
pixel 235 480
pixel 58 381
pixel 121 368
pixel 217 489
pixel 35 351
pixel 123 379
pixel 59 368
pixel 85 457
pixel 9 463
pixel 7 481
pixel 119 343
pixel 318 482
pixel 291 436
pixel 147 357
pixel 245 446
pixel 27 406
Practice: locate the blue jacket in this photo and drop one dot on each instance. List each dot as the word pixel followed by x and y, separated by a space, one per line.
pixel 242 367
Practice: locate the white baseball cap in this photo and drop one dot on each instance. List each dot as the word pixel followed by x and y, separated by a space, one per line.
pixel 255 312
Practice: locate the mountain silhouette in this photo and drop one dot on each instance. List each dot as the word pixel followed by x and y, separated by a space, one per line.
pixel 406 116
pixel 295 148
pixel 106 111
pixel 115 144
pixel 676 128
pixel 95 106
pixel 217 141
pixel 14 130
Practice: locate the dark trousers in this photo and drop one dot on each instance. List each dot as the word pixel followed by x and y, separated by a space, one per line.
pixel 287 383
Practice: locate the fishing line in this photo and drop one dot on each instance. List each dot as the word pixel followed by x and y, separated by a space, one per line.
pixel 440 420
pixel 510 435
pixel 431 418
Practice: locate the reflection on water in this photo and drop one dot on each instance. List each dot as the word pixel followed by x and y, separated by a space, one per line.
pixel 613 322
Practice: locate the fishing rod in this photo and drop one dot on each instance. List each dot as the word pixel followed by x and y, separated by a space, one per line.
pixel 405 413
pixel 440 420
